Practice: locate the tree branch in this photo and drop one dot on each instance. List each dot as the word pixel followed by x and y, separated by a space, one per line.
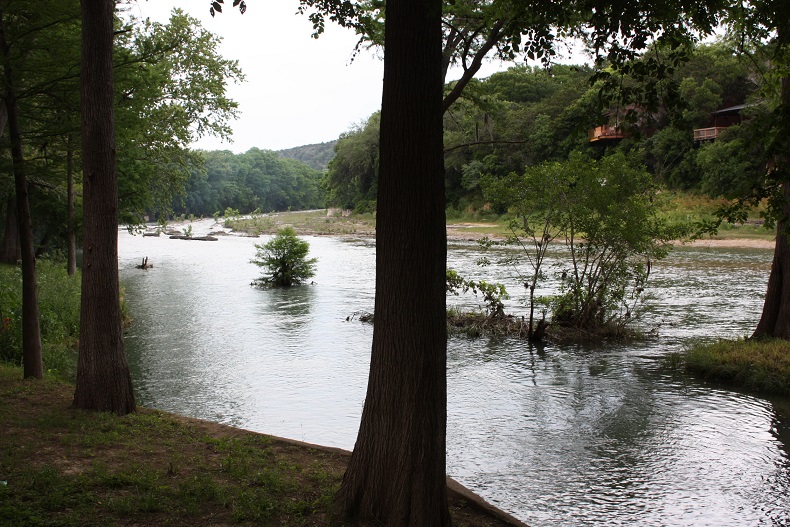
pixel 493 38
pixel 475 143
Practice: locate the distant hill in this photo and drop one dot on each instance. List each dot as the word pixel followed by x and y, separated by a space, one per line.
pixel 316 156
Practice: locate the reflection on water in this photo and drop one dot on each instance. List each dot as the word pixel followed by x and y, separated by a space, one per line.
pixel 572 435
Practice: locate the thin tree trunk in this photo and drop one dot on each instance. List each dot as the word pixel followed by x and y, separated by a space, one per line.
pixel 12 252
pixel 71 235
pixel 31 328
pixel 103 379
pixel 396 475
pixel 775 319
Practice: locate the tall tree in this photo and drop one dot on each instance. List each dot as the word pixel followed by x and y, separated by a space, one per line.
pixel 103 379
pixel 396 474
pixel 766 23
pixel 170 85
pixel 31 325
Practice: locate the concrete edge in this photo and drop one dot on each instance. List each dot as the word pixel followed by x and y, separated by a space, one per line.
pixel 481 504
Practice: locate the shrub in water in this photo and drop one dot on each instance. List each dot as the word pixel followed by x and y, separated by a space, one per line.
pixel 284 260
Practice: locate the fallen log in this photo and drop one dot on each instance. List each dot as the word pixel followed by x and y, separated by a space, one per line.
pixel 198 238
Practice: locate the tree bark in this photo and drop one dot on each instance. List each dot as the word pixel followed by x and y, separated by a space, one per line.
pixel 12 252
pixel 396 475
pixel 31 327
pixel 775 319
pixel 71 235
pixel 103 379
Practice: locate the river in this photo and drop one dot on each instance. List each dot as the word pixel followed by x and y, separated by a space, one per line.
pixel 557 435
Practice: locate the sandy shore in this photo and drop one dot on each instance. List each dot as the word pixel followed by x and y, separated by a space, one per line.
pixel 746 243
pixel 462 231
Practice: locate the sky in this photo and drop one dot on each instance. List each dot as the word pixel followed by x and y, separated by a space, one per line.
pixel 298 90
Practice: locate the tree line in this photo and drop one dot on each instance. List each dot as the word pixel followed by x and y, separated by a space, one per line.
pixel 90 94
pixel 526 116
pixel 255 180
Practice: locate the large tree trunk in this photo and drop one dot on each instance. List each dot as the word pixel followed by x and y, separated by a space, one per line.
pixel 396 474
pixel 775 320
pixel 31 328
pixel 103 380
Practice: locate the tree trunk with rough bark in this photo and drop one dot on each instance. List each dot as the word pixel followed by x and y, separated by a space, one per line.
pixel 31 327
pixel 11 252
pixel 396 475
pixel 71 235
pixel 775 320
pixel 103 379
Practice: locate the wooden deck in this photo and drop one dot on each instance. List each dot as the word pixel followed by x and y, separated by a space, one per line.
pixel 708 134
pixel 604 133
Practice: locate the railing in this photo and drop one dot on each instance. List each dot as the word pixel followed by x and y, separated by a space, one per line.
pixel 604 132
pixel 708 134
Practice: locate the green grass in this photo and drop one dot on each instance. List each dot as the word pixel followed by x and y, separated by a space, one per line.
pixel 65 467
pixel 687 208
pixel 304 222
pixel 761 366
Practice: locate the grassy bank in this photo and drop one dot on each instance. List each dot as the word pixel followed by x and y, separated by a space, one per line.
pixel 674 207
pixel 316 222
pixel 60 466
pixel 761 366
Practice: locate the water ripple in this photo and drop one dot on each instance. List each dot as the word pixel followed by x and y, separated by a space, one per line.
pixel 559 435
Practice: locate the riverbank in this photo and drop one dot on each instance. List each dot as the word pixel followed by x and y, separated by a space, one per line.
pixel 330 222
pixel 759 366
pixel 60 466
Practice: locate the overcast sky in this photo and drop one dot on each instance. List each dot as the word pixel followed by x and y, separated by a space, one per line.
pixel 298 90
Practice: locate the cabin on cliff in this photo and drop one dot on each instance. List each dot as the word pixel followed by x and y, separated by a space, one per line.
pixel 720 120
pixel 619 123
pixel 605 133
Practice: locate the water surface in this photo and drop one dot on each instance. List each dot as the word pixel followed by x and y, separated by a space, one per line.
pixel 557 435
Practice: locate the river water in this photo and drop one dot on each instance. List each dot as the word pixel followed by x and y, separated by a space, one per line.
pixel 557 435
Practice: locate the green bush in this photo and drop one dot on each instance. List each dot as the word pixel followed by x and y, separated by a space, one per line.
pixel 59 310
pixel 605 213
pixel 284 259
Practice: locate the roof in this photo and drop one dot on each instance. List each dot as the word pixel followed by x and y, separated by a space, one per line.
pixel 731 109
